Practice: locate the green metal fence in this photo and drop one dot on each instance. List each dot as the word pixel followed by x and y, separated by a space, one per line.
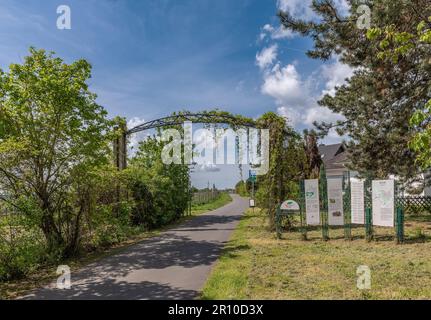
pixel 415 204
pixel 402 205
pixel 347 207
pixel 323 194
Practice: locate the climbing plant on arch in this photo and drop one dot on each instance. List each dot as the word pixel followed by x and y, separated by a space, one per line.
pixel 286 150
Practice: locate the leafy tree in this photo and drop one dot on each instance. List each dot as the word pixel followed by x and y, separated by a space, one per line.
pixel 380 98
pixel 52 135
pixel 287 162
pixel 421 142
pixel 240 188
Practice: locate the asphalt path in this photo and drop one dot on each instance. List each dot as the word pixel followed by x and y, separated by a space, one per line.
pixel 173 265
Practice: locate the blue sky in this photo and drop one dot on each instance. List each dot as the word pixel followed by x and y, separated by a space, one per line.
pixel 152 57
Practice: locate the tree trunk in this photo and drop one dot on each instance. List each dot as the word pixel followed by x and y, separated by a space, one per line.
pixel 52 235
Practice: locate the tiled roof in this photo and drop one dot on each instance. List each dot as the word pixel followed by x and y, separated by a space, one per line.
pixel 334 156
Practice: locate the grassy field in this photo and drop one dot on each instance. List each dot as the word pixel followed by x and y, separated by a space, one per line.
pixel 255 265
pixel 221 201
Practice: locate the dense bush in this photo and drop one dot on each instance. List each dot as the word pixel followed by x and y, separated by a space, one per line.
pixel 241 189
pixel 22 245
pixel 161 191
pixel 120 204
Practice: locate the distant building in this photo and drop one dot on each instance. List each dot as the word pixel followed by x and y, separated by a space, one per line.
pixel 334 157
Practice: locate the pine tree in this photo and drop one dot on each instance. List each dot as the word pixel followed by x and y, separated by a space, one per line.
pixel 381 97
pixel 396 45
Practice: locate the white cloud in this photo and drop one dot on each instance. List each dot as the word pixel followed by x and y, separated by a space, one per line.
pixel 266 57
pixel 301 9
pixel 292 94
pixel 268 28
pixel 134 122
pixel 275 33
pixel 207 167
pixel 297 8
pixel 285 85
pixel 291 115
pixel 331 76
pixel 335 75
pixel 296 96
pixel 343 6
pixel 320 114
pixel 135 138
pixel 282 33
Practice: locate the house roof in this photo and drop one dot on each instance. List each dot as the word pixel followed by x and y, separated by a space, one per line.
pixel 334 156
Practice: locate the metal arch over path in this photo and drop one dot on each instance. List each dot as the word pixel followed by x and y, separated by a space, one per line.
pixel 120 144
pixel 192 117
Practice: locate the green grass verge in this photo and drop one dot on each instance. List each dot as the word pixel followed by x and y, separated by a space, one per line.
pixel 256 265
pixel 221 201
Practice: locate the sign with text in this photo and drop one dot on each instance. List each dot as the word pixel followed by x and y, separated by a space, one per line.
pixel 357 196
pixel 383 203
pixel 290 205
pixel 335 202
pixel 252 175
pixel 312 208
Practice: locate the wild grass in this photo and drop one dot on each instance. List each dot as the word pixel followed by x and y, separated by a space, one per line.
pixel 256 265
pixel 222 200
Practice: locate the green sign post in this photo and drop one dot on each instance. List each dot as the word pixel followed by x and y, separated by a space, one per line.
pixel 252 176
pixel 347 206
pixel 302 210
pixel 323 192
pixel 400 225
pixel 286 210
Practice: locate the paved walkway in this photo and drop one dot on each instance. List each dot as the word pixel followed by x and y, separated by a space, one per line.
pixel 174 265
